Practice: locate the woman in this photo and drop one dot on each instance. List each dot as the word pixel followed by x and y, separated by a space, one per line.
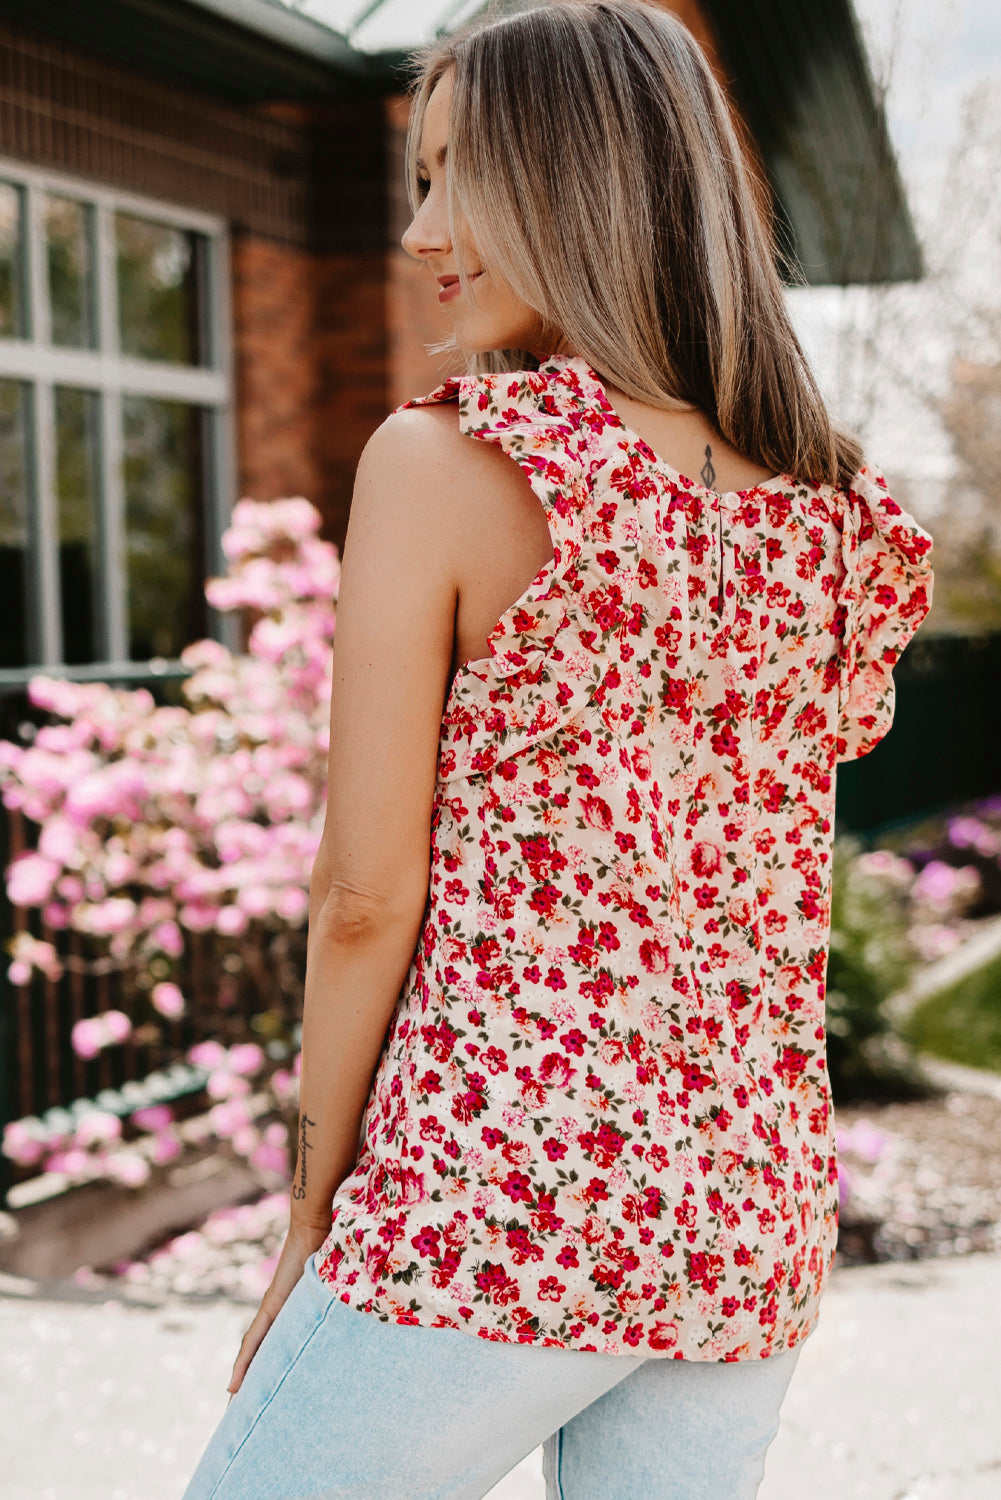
pixel 563 1081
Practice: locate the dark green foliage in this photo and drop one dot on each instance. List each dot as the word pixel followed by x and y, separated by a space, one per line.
pixel 871 958
pixel 962 1023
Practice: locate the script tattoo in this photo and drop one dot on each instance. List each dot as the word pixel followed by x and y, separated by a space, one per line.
pixel 299 1188
pixel 707 473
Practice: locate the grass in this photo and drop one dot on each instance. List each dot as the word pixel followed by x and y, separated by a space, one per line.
pixel 962 1022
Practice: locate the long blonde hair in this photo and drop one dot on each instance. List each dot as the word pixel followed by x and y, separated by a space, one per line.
pixel 592 154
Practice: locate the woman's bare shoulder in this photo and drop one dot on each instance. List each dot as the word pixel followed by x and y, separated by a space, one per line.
pixel 419 446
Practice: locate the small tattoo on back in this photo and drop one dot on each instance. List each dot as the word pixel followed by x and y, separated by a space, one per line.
pixel 707 473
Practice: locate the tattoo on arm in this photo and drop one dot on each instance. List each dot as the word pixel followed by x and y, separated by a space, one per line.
pixel 707 473
pixel 299 1188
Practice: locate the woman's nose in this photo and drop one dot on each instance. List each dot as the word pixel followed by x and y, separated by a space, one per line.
pixel 428 233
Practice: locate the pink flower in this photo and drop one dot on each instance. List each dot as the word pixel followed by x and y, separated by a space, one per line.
pixel 110 916
pixel 210 1054
pixel 246 1139
pixel 255 900
pixel 223 1084
pixel 246 1058
pixel 168 1000
pixel 128 1168
pixel 198 916
pixel 21 1145
pixel 167 938
pixel 30 878
pixel 231 921
pixel 85 1038
pixel 59 841
pixel 269 1158
pixel 229 1117
pixel 74 1163
pixel 98 1127
pixel 292 904
pixel 153 1116
pixel 167 1147
pixel 117 1025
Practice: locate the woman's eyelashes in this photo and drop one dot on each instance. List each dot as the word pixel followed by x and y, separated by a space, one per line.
pixel 423 187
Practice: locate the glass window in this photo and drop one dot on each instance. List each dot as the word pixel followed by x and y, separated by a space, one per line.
pixel 15 540
pixel 70 258
pixel 158 293
pixel 12 302
pixel 104 551
pixel 162 470
pixel 78 507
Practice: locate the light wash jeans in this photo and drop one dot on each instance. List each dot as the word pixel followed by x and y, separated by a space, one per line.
pixel 338 1403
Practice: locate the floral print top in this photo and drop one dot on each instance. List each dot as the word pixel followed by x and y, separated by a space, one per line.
pixel 602 1118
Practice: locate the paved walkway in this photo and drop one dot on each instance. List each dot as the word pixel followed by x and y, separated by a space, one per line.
pixel 896 1397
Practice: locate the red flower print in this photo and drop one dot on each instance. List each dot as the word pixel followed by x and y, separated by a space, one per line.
pixel 662 1335
pixel 556 1071
pixel 597 813
pixel 426 1243
pixel 518 1187
pixel 706 859
pixel 499 1287
pixel 606 1047
pixel 654 956
pixel 642 764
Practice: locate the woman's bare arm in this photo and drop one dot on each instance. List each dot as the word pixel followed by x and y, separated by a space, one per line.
pixel 391 663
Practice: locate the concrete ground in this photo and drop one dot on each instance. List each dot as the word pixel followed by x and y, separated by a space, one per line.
pixel 896 1396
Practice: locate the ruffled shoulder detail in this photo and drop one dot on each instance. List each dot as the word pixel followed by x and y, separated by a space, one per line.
pixel 546 650
pixel 886 593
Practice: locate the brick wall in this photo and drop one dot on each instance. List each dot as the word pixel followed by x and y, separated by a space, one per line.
pixel 310 348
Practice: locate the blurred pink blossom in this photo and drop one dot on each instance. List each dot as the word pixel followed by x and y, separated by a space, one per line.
pixel 21 1145
pixel 210 1054
pixel 159 821
pixel 98 1127
pixel 168 1000
pixel 153 1116
pixel 246 1057
pixel 167 1147
pixel 30 878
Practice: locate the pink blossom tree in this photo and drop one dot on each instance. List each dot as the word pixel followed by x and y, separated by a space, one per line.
pixel 160 822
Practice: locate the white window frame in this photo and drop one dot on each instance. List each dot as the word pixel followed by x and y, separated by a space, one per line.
pixel 113 375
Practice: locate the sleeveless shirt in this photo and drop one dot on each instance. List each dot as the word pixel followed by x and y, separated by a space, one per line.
pixel 602 1117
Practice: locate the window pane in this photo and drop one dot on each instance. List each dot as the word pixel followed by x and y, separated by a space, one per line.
pixel 77 491
pixel 12 307
pixel 15 481
pixel 165 550
pixel 158 293
pixel 70 259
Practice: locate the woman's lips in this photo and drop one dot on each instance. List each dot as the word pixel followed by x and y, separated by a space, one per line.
pixel 451 286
